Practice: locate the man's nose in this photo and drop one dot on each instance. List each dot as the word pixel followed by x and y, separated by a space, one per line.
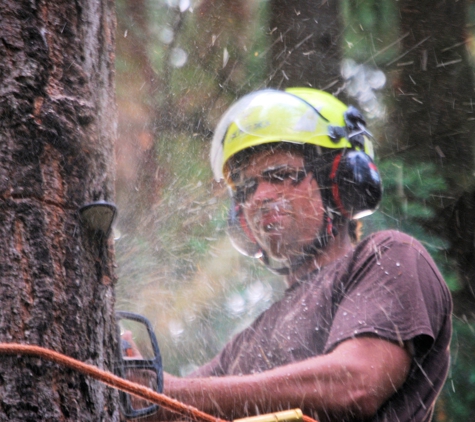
pixel 265 191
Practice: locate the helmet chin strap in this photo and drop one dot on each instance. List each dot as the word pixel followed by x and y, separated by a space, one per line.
pixel 327 232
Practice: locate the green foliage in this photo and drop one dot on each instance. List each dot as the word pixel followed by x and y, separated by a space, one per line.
pixel 187 214
pixel 256 63
pixel 408 194
pixel 458 396
pixel 177 267
pixel 371 26
pixel 181 272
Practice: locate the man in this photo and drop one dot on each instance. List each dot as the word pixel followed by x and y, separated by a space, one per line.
pixel 363 330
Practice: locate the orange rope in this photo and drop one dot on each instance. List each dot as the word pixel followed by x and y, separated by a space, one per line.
pixel 114 381
pixel 110 379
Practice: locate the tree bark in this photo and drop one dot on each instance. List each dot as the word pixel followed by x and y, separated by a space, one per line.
pixel 57 117
pixel 306 47
pixel 434 89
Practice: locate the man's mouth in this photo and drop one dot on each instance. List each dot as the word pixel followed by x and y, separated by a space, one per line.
pixel 270 217
pixel 272 221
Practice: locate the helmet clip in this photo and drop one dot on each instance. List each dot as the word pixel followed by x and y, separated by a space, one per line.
pixel 356 126
pixel 335 133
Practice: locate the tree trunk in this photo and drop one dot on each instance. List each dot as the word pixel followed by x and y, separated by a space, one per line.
pixel 434 89
pixel 306 43
pixel 434 120
pixel 57 130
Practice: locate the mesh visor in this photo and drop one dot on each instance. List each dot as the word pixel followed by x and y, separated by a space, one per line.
pixel 268 116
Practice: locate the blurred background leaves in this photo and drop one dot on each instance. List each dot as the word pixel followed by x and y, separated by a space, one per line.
pixel 180 64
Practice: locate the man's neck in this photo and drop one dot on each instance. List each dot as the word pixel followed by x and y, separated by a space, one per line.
pixel 337 247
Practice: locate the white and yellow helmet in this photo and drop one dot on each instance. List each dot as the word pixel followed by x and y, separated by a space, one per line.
pixel 297 115
pixel 300 116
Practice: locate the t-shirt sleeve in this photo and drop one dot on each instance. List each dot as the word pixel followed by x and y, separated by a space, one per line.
pixel 394 291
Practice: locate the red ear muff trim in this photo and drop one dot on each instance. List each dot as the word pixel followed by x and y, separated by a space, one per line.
pixel 335 187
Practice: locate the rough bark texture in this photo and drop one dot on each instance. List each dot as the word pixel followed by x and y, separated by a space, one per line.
pixel 434 120
pixel 306 43
pixel 434 90
pixel 57 118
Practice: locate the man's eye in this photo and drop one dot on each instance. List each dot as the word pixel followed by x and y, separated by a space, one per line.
pixel 250 184
pixel 298 176
pixel 279 176
pixel 245 189
pixel 284 175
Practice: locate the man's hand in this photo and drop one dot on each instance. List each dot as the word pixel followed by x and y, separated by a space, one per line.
pixel 128 346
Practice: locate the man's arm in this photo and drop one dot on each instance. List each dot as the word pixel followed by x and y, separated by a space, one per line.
pixel 356 378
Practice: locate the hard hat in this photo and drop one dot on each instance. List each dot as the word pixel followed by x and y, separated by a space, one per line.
pixel 297 115
pixel 300 116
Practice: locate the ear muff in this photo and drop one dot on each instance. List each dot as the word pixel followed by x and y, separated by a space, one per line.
pixel 356 184
pixel 239 232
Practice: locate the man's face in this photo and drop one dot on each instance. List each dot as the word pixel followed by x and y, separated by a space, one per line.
pixel 282 203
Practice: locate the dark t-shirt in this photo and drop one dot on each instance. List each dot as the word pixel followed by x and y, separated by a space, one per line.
pixel 388 286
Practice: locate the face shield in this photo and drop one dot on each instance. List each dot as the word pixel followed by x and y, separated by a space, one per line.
pixel 298 116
